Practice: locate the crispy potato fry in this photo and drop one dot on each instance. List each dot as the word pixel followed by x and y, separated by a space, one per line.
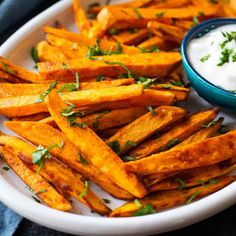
pixel 158 42
pixel 35 182
pixel 143 64
pixel 145 126
pixel 8 78
pixel 176 33
pixel 194 177
pixel 82 42
pixel 131 38
pixel 181 93
pixel 204 153
pixel 201 135
pixel 29 105
pixel 62 177
pixel 13 90
pixel 167 199
pixel 100 155
pixel 122 18
pixel 42 134
pixel 36 117
pixel 18 71
pixel 180 132
pixel 81 19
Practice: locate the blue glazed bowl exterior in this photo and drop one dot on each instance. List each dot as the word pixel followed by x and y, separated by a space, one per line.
pixel 204 88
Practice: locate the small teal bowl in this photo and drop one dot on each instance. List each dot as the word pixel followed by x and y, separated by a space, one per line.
pixel 204 88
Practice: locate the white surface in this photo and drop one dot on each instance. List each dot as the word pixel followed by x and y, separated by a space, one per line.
pixel 14 194
pixel 209 45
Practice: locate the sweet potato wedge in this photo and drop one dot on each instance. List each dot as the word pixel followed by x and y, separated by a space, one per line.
pixel 62 177
pixel 180 132
pixel 100 155
pixel 29 105
pixel 169 3
pixel 204 153
pixel 194 177
pixel 131 38
pixel 36 117
pixel 13 90
pixel 144 64
pixel 8 78
pixel 35 182
pixel 42 134
pixel 145 126
pixel 180 93
pixel 80 42
pixel 167 199
pixel 122 18
pixel 201 135
pixel 81 19
pixel 18 71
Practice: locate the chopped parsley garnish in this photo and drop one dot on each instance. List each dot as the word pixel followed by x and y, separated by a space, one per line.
pixel 160 14
pixel 205 58
pixel 5 168
pixel 195 21
pixel 225 56
pixel 100 78
pixel 113 31
pixel 177 83
pixel 114 145
pixel 229 37
pixel 166 86
pixel 150 50
pixel 143 210
pixel 146 82
pixel 193 197
pixel 200 181
pixel 128 158
pixel 34 55
pixel 107 201
pixel 213 181
pixel 133 31
pixel 41 154
pixel 138 14
pixel 83 161
pixel 181 183
pixel 209 124
pixel 120 64
pixel 127 144
pixel 85 190
pixel 151 110
pixel 95 124
pixel 7 68
pixel 72 116
pixel 49 90
pixel 172 142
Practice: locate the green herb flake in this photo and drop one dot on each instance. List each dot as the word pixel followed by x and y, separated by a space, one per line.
pixel 151 110
pixel 145 210
pixel 128 143
pixel 166 86
pixel 100 78
pixel 193 197
pixel 49 90
pixel 41 154
pixel 115 146
pixel 138 14
pixel 133 31
pixel 138 203
pixel 200 181
pixel 113 31
pixel 120 64
pixel 225 56
pixel 95 124
pixel 83 161
pixel 205 58
pixel 181 183
pixel 177 83
pixel 195 21
pixel 34 55
pixel 160 14
pixel 107 201
pixel 41 191
pixel 128 158
pixel 172 142
pixel 7 68
pixel 5 168
pixel 209 124
pixel 213 181
pixel 85 190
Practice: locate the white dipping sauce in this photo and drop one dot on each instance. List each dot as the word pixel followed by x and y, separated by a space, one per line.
pixel 205 54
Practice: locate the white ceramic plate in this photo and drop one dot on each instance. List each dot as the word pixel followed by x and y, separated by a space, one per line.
pixel 14 194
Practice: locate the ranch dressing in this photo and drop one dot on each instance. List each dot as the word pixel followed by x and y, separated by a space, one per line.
pixel 213 56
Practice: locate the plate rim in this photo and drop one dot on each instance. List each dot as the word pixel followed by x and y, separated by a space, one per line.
pixel 89 225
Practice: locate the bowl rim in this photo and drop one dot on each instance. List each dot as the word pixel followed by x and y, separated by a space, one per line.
pixel 187 63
